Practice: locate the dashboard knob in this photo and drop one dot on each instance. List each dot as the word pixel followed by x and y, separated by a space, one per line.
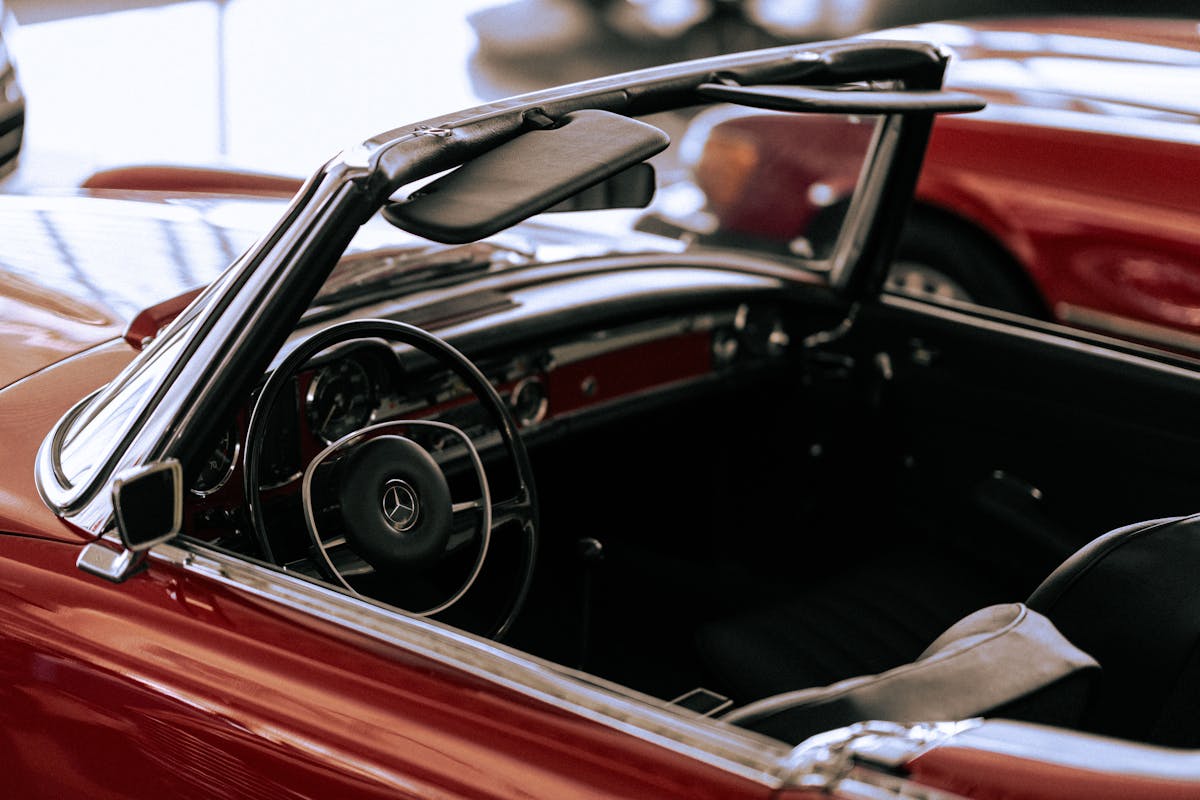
pixel 528 401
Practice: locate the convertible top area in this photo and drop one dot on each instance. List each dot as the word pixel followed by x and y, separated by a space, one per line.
pixel 580 510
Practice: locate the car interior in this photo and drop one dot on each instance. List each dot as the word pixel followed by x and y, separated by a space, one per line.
pixel 739 494
pixel 748 485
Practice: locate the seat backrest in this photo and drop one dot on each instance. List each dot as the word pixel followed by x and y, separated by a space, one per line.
pixel 1132 600
pixel 1004 660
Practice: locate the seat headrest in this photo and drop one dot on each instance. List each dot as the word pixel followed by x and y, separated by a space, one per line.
pixel 1131 598
pixel 1051 590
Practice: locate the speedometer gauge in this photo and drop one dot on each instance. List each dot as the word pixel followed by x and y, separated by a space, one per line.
pixel 219 466
pixel 340 399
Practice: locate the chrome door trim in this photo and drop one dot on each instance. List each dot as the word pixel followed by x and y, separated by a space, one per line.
pixel 734 750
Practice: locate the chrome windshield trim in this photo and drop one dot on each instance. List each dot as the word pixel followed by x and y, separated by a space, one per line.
pixel 734 750
pixel 213 323
pixel 867 197
pixel 49 475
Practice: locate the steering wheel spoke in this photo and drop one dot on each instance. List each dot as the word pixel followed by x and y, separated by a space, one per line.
pixel 468 505
pixel 518 508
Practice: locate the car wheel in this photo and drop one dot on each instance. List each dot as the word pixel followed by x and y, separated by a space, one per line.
pixel 942 258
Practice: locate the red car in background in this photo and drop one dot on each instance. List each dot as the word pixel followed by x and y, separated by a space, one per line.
pixel 1072 197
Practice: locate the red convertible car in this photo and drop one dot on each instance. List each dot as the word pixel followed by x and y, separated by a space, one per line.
pixel 1072 197
pixel 419 497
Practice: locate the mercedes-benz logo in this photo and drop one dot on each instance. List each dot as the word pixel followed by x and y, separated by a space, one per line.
pixel 400 506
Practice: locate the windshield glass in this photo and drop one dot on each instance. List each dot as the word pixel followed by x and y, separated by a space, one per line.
pixel 773 181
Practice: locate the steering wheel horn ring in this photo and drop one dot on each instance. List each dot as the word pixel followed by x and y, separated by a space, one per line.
pixel 390 550
pixel 395 500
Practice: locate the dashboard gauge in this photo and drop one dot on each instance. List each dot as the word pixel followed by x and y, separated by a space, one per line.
pixel 340 399
pixel 219 466
pixel 528 401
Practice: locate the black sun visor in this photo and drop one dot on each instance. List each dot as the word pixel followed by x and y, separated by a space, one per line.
pixel 532 173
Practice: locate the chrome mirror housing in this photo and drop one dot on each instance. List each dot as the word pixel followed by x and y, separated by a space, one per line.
pixel 148 501
pixel 148 504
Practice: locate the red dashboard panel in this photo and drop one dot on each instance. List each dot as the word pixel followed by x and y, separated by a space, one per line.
pixel 610 376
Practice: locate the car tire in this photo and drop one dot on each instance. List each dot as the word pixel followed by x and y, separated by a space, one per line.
pixel 943 258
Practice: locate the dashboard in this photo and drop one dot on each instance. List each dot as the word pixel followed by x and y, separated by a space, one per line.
pixel 551 384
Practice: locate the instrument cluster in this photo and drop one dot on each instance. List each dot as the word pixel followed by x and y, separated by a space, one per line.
pixel 344 395
pixel 366 382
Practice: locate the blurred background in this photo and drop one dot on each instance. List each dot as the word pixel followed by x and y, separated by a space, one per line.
pixel 281 85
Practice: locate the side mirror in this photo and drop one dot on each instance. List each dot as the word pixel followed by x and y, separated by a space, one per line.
pixel 149 504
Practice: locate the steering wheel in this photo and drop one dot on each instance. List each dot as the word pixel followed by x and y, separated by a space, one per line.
pixel 393 497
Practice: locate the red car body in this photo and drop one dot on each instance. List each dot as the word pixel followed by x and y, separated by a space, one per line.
pixel 181 686
pixel 1076 186
pixel 210 671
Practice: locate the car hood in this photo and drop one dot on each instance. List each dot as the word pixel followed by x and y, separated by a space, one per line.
pixel 79 270
pixel 75 271
pixel 1103 66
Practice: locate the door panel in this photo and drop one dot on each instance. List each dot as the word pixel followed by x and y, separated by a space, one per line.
pixel 1104 436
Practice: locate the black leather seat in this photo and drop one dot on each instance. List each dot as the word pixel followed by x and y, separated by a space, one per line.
pixel 1003 660
pixel 868 619
pixel 1132 599
pixel 864 615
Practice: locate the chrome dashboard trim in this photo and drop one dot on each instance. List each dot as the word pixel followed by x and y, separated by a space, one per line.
pixel 539 413
pixel 739 752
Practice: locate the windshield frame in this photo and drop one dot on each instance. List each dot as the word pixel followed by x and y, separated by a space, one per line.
pixel 227 337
